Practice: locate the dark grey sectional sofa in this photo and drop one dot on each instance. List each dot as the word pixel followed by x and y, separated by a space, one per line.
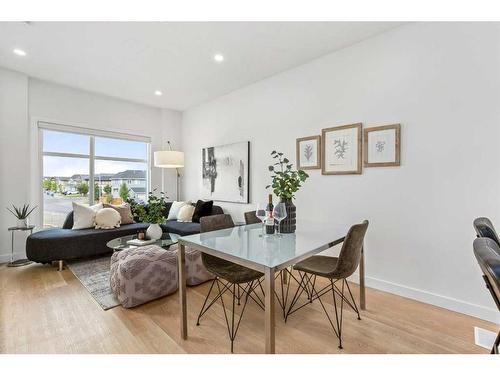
pixel 64 243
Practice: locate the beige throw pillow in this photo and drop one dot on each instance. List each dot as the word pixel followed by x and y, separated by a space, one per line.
pixel 186 213
pixel 84 216
pixel 107 218
pixel 174 209
pixel 124 211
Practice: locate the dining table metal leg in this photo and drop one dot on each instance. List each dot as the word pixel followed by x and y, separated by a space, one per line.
pixel 181 254
pixel 269 310
pixel 362 291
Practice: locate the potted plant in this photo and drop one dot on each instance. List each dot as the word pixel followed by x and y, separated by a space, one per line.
pixel 285 183
pixel 22 213
pixel 152 213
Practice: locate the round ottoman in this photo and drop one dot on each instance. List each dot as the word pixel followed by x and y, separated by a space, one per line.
pixel 143 274
pixel 196 273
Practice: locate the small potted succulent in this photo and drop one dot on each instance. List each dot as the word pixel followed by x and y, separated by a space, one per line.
pixel 152 213
pixel 21 214
pixel 285 183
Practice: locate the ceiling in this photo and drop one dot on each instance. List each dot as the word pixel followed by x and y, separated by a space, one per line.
pixel 130 60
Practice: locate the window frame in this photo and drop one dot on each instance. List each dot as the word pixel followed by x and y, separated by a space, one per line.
pixel 92 134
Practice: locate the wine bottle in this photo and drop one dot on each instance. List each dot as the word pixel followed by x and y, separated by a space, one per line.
pixel 269 216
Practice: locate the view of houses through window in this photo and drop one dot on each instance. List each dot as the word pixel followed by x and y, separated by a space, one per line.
pixel 89 169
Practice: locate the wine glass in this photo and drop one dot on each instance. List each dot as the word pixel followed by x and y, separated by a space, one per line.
pixel 279 213
pixel 260 212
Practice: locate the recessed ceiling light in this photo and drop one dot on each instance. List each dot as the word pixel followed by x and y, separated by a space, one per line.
pixel 158 93
pixel 218 58
pixel 19 52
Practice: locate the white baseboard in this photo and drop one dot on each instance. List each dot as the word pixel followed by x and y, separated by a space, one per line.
pixel 449 303
pixel 5 258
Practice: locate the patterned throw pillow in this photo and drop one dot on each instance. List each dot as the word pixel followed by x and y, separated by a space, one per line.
pixel 124 211
pixel 107 218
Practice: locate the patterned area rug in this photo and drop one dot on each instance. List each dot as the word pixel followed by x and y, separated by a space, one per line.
pixel 94 275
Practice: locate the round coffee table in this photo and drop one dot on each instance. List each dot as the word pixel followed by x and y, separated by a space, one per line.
pixel 120 243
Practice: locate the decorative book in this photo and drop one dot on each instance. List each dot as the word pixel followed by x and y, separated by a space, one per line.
pixel 137 242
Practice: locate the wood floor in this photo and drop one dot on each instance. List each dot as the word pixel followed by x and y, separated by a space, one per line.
pixel 45 311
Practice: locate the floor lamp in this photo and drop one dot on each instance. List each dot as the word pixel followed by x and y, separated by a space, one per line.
pixel 169 159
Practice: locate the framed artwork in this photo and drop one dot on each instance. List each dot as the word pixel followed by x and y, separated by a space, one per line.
pixel 382 146
pixel 226 172
pixel 341 150
pixel 309 152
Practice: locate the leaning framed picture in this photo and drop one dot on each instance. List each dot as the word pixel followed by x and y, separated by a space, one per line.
pixel 341 149
pixel 226 172
pixel 382 146
pixel 309 152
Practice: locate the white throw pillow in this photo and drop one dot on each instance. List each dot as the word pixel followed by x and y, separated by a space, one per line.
pixel 174 209
pixel 107 218
pixel 185 214
pixel 84 216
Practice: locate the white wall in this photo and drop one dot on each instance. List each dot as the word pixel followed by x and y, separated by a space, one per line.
pixel 27 99
pixel 14 160
pixel 441 81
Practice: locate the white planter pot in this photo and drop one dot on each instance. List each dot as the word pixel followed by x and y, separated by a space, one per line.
pixel 154 232
pixel 22 223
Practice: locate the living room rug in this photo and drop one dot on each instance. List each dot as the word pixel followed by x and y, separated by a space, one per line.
pixel 94 276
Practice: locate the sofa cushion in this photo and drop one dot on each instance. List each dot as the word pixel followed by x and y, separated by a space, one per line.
pixel 107 218
pixel 203 208
pixel 84 216
pixel 124 211
pixel 183 229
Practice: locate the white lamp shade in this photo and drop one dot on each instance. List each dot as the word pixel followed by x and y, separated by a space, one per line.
pixel 169 159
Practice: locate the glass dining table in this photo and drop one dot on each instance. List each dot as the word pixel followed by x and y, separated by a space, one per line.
pixel 246 246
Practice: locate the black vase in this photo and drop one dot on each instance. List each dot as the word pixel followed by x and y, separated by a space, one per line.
pixel 288 224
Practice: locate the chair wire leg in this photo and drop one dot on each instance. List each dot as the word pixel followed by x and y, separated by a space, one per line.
pixel 205 302
pixel 224 309
pixel 298 293
pixel 355 307
pixel 318 297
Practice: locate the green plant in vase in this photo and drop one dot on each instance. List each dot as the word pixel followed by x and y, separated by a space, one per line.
pixel 152 213
pixel 286 181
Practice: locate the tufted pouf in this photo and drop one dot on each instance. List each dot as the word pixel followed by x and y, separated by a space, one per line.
pixel 143 274
pixel 196 273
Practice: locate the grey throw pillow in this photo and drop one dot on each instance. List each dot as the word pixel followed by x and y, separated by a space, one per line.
pixel 124 211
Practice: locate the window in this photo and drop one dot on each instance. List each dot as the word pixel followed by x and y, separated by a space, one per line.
pixel 90 167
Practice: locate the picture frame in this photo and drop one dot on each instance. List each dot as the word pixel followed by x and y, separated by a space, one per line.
pixel 341 150
pixel 308 150
pixel 382 146
pixel 225 173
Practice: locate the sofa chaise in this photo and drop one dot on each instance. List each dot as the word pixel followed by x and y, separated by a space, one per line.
pixel 64 243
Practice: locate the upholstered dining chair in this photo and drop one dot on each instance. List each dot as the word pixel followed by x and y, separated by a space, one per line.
pixel 251 218
pixel 336 270
pixel 487 253
pixel 229 277
pixel 484 228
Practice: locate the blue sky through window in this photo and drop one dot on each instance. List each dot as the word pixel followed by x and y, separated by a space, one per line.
pixel 80 144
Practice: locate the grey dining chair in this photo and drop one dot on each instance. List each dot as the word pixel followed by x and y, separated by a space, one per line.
pixel 251 218
pixel 487 252
pixel 335 269
pixel 230 277
pixel 484 228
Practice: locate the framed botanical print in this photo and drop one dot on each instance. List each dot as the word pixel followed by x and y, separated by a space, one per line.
pixel 341 149
pixel 382 146
pixel 309 152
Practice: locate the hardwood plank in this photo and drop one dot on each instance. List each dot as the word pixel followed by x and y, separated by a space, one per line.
pixel 45 311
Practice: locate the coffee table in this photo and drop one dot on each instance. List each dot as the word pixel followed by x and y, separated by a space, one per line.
pixel 120 243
